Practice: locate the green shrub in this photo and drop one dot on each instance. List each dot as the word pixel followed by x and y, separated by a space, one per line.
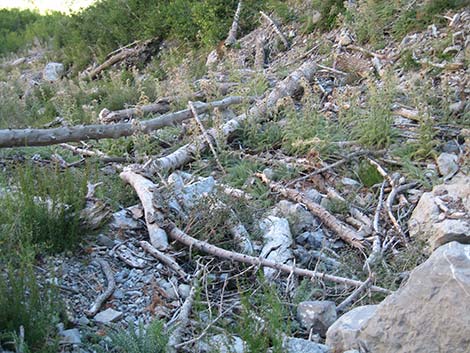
pixel 43 208
pixel 24 302
pixel 152 339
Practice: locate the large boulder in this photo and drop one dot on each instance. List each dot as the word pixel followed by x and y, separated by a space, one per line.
pixel 443 215
pixel 430 313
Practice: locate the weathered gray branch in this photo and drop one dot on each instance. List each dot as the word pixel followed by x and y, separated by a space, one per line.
pixel 177 234
pixel 45 137
pixel 232 34
pixel 286 88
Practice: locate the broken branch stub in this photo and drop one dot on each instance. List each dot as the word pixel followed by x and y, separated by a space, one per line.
pixel 144 189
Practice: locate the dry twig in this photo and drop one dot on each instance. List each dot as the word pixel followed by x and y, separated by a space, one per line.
pixel 107 293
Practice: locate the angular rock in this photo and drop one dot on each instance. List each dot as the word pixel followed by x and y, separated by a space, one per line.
pixel 317 316
pixel 300 219
pixel 71 336
pixel 431 312
pixel 342 335
pixel 53 71
pixel 277 243
pixel 107 316
pixel 299 345
pixel 122 221
pixel 222 344
pixel 443 215
pixel 447 164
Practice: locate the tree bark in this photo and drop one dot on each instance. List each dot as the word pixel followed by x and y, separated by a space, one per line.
pixel 45 137
pixel 144 189
pixel 286 88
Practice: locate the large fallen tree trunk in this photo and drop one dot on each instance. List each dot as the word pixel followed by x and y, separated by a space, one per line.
pixel 45 137
pixel 286 88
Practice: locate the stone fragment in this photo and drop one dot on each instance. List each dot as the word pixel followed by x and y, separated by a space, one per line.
pixel 443 215
pixel 342 335
pixel 316 315
pixel 222 344
pixel 53 71
pixel 316 17
pixel 300 219
pixel 71 336
pixel 277 243
pixel 108 315
pixel 104 240
pixel 122 221
pixel 431 312
pixel 299 345
pixel 447 164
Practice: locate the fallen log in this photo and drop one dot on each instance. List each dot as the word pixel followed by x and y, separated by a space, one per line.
pixel 286 88
pixel 45 137
pixel 346 233
pixel 232 34
pixel 160 107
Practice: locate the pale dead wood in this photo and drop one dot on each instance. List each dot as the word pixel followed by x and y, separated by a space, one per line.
pixel 183 317
pixel 95 153
pixel 354 295
pixel 367 52
pixel 177 234
pixel 232 34
pixel 45 137
pixel 160 107
pixel 260 52
pixel 412 114
pixel 206 136
pixel 107 293
pixel 276 29
pixel 167 260
pixel 377 243
pixel 144 189
pixel 286 88
pixel 124 53
pixel 344 232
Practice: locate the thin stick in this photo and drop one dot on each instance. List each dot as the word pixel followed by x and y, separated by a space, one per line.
pixel 183 317
pixel 377 244
pixel 172 264
pixel 328 167
pixel 175 233
pixel 349 300
pixel 276 29
pixel 107 293
pixel 205 134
